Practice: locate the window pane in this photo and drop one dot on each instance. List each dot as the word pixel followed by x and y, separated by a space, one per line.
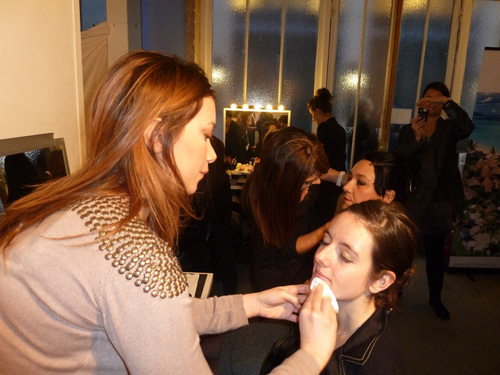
pixel 264 52
pixel 410 51
pixel 438 40
pixel 228 52
pixel 347 56
pixel 372 85
pixel 301 30
pixel 301 33
pixel 373 70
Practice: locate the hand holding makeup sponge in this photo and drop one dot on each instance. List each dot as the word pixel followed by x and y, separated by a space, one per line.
pixel 326 292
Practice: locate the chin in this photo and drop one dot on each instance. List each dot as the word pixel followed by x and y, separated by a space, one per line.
pixel 192 189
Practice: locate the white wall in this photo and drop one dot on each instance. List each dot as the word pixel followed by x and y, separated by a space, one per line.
pixel 124 17
pixel 40 72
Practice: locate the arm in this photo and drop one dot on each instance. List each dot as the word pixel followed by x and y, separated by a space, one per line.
pixel 218 314
pixel 333 176
pixel 463 125
pixel 317 322
pixel 308 241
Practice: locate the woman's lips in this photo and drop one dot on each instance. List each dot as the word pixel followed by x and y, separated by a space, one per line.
pixel 319 275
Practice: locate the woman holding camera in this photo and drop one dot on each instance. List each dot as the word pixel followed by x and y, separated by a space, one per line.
pixel 429 145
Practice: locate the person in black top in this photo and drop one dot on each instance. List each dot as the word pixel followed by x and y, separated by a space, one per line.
pixel 428 146
pixel 333 138
pixel 275 198
pixel 366 259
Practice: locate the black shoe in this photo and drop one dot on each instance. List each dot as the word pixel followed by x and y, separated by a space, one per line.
pixel 440 310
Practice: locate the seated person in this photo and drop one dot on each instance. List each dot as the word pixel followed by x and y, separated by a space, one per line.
pixel 366 259
pixel 274 197
pixel 378 175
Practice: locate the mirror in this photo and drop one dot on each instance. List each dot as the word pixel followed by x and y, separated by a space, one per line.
pixel 245 130
pixel 28 161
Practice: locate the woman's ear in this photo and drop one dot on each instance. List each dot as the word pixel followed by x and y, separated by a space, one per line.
pixel 384 282
pixel 153 139
pixel 389 196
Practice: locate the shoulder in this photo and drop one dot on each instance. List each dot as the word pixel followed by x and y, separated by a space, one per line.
pixel 130 247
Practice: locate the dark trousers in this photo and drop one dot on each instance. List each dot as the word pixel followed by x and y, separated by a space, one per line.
pixel 435 266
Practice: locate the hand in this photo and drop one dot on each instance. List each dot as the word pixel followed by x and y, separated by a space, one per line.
pixel 277 303
pixel 417 124
pixel 325 226
pixel 426 102
pixel 332 176
pixel 346 178
pixel 318 326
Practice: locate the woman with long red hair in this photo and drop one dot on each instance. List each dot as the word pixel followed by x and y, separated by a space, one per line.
pixel 89 278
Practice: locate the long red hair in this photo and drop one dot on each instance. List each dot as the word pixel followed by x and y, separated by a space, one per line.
pixel 141 89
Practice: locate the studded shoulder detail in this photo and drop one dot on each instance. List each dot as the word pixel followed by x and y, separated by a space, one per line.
pixel 135 250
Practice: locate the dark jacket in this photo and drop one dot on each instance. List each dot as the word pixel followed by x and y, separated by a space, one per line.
pixel 333 138
pixel 436 185
pixel 371 350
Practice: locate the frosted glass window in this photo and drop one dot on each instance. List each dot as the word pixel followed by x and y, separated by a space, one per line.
pixel 347 59
pixel 264 52
pixel 484 32
pixel 228 56
pixel 375 44
pixel 264 44
pixel 301 33
pixel 409 55
pixel 438 40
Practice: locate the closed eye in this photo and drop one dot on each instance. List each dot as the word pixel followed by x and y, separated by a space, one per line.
pixel 345 259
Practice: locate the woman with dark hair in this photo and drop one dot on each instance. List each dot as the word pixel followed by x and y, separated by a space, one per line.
pixel 378 175
pixel 267 127
pixel 89 281
pixel 237 141
pixel 274 197
pixel 428 146
pixel 366 259
pixel 333 138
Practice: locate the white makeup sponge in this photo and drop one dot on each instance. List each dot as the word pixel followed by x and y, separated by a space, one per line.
pixel 326 292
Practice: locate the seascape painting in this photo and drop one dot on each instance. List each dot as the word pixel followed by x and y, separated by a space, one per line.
pixel 477 236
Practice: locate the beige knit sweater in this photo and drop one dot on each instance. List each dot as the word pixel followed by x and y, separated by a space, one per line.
pixel 75 301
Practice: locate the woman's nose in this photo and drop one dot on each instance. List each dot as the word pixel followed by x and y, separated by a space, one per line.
pixel 211 154
pixel 319 257
pixel 347 186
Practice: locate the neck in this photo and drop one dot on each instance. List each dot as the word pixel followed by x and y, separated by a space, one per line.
pixel 322 117
pixel 353 314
